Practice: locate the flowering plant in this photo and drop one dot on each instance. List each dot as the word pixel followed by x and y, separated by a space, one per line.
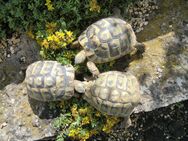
pixel 80 121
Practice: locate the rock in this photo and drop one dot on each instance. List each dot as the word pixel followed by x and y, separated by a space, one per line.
pixel 146 22
pixel 17 119
pixel 162 72
pixel 19 57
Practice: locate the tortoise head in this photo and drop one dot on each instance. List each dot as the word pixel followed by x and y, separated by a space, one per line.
pixel 82 87
pixel 79 86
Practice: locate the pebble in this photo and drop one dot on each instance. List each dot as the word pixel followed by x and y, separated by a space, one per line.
pixel 170 26
pixel 12 101
pixel 4 43
pixel 9 41
pixel 159 70
pixel 16 41
pixel 23 59
pixel 12 50
pixel 35 122
pixel 4 124
pixel 145 23
pixel 160 75
pixel 8 55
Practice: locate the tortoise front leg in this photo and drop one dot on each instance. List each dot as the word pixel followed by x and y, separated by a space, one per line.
pixel 93 69
pixel 80 57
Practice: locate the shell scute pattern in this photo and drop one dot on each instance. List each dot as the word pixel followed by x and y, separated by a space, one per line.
pixel 114 96
pixel 111 93
pixel 109 38
pixel 104 36
pixel 105 93
pixel 121 82
pixel 49 81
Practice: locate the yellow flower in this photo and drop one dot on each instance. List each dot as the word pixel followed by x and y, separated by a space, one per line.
pixel 70 40
pixel 85 120
pixel 60 39
pixel 72 133
pixel 60 34
pixel 49 5
pixel 64 44
pixel 50 38
pixel 75 133
pixel 45 43
pixel 50 27
pixel 94 7
pixel 56 39
pixel 83 111
pixel 110 122
pixel 84 136
pixel 97 114
pixel 74 111
pixel 69 33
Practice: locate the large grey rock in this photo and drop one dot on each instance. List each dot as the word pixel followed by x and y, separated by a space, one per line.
pixel 17 119
pixel 162 72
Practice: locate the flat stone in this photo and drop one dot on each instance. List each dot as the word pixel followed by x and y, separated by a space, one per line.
pixel 164 55
pixel 18 120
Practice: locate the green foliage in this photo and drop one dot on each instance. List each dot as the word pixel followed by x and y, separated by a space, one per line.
pixel 21 15
pixel 55 24
pixel 79 120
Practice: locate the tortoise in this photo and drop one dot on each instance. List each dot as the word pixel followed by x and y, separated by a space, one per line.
pixel 50 81
pixel 113 93
pixel 106 40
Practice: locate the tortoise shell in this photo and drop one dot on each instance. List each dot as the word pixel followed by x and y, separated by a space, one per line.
pixel 114 93
pixel 50 81
pixel 109 39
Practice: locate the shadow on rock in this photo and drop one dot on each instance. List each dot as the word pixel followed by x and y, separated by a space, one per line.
pixel 44 110
pixel 12 68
